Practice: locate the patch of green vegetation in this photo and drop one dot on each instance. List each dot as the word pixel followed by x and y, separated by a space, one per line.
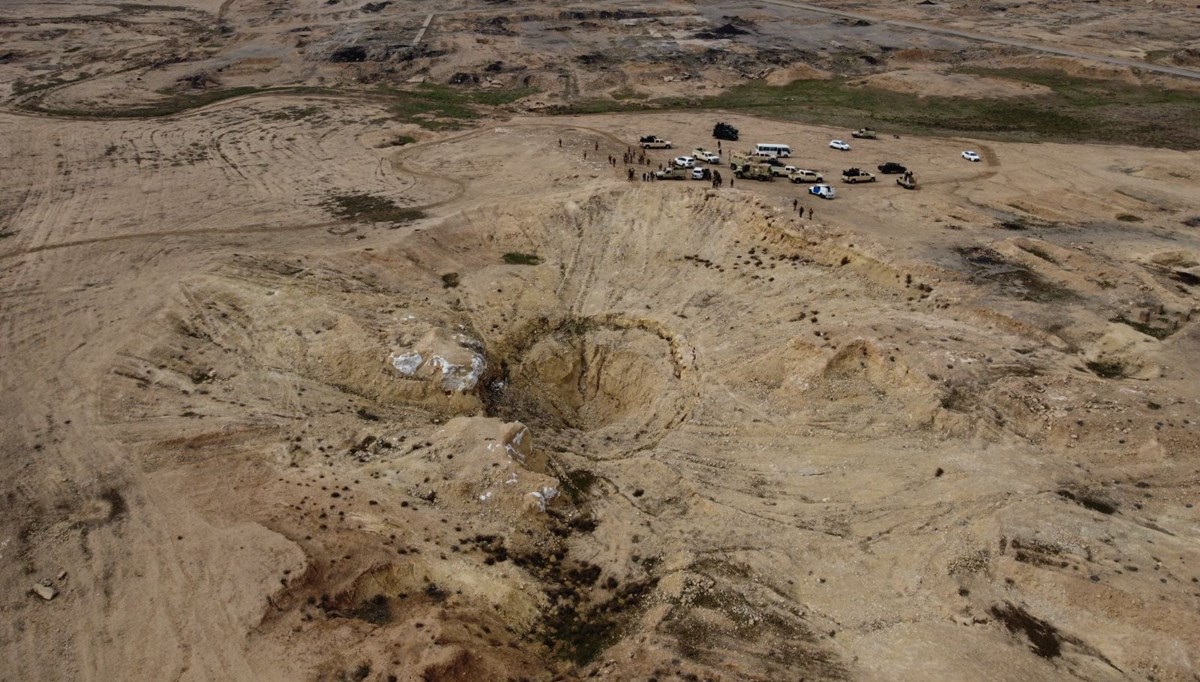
pixel 450 280
pixel 5 234
pixel 1077 109
pixel 610 106
pixel 176 103
pixel 292 113
pixel 1159 56
pixel 368 208
pixel 1129 218
pixel 22 87
pixel 516 258
pixel 400 140
pixel 577 483
pixel 441 107
pixel 626 94
pixel 375 610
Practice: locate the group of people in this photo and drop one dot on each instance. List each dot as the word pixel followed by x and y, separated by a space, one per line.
pixel 640 158
pixel 797 207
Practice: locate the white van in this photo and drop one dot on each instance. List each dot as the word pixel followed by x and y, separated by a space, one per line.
pixel 773 150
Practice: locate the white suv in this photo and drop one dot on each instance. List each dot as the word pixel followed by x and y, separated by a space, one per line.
pixel 972 156
pixel 684 161
pixel 839 144
pixel 823 191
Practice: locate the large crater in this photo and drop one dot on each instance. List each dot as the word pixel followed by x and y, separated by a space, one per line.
pixel 614 382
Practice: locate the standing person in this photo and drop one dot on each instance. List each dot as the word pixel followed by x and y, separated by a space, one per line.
pixel 560 143
pixel 730 183
pixel 794 203
pixel 801 213
pixel 810 212
pixel 718 146
pixel 585 155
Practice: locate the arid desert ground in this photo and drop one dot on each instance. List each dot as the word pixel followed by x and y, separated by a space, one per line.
pixel 336 343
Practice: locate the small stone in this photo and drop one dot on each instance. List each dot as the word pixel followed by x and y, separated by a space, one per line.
pixel 62 575
pixel 45 591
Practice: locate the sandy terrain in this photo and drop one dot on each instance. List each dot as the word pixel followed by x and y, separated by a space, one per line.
pixel 552 424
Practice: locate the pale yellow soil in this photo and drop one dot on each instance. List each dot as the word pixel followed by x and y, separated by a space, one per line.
pixel 944 434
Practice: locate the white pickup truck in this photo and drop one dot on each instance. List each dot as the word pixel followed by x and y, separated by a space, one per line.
pixel 706 156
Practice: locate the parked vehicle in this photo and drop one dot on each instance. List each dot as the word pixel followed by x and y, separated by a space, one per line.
pixel 906 180
pixel 804 175
pixel 864 134
pixel 839 144
pixel 701 174
pixel 673 173
pixel 736 159
pixel 746 167
pixel 823 191
pixel 705 155
pixel 972 156
pixel 857 175
pixel 684 161
pixel 782 170
pixel 724 131
pixel 654 142
pixel 773 150
pixel 891 168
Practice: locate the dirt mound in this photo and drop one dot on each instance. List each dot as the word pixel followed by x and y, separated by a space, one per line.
pixel 866 389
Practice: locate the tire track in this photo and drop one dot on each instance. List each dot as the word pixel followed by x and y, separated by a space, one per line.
pixel 397 163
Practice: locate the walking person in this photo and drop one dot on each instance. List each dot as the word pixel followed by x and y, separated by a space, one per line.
pixel 810 212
